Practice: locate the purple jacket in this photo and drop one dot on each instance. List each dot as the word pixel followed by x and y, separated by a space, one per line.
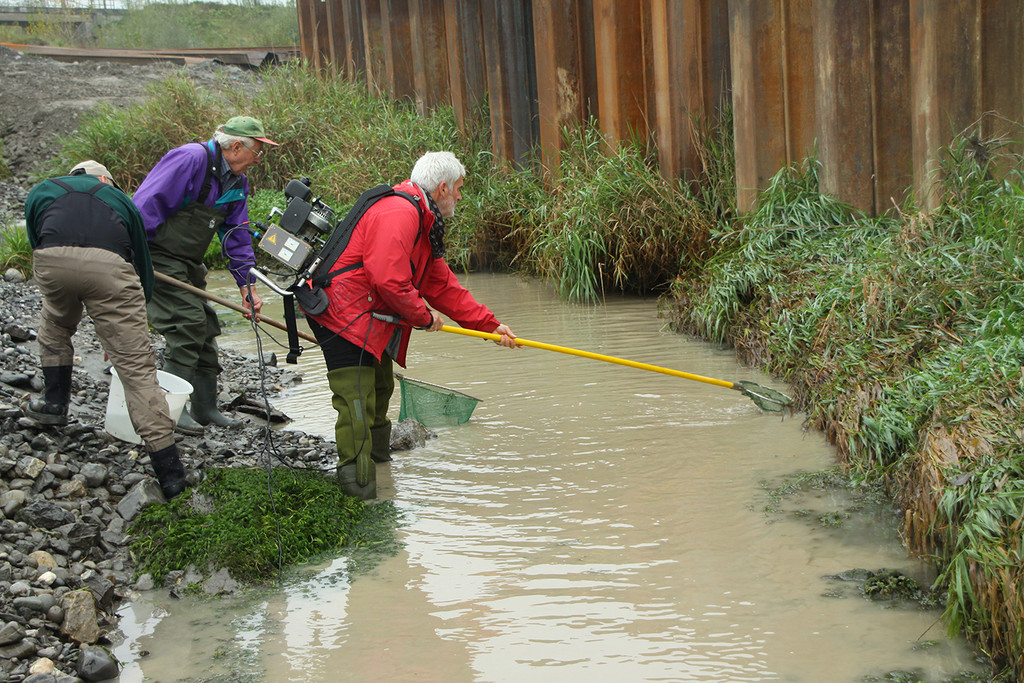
pixel 176 181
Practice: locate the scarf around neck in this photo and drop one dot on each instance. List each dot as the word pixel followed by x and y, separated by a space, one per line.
pixel 436 235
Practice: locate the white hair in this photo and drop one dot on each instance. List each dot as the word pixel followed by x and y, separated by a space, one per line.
pixel 225 141
pixel 434 168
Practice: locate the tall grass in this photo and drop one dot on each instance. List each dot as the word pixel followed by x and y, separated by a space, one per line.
pixel 612 221
pixel 15 251
pixel 609 222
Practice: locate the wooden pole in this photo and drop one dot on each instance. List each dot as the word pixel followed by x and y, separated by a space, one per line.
pixel 225 302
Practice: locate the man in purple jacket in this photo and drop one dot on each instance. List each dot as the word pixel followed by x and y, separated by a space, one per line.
pixel 194 192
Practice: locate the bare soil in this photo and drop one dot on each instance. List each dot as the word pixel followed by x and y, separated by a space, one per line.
pixel 43 100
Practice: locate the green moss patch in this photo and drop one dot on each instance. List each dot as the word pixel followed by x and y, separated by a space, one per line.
pixel 254 523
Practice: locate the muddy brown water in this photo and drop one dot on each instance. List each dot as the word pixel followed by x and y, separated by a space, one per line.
pixel 590 523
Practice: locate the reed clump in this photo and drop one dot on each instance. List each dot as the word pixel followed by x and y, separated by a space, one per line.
pixel 15 250
pixel 902 338
pixel 607 221
pixel 612 222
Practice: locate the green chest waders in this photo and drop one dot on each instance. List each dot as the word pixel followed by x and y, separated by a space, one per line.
pixel 187 322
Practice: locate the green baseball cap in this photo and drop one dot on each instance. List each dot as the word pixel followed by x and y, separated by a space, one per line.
pixel 247 127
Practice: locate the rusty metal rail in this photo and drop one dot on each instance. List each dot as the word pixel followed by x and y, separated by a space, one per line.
pixel 243 57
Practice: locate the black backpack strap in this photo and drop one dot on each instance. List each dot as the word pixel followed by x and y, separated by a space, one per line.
pixel 208 179
pixel 339 239
pixel 92 190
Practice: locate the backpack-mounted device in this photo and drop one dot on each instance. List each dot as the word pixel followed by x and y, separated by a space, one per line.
pixel 306 239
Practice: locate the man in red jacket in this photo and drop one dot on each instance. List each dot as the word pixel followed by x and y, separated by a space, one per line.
pixel 393 265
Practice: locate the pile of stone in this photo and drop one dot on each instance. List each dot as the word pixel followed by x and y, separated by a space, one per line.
pixel 12 201
pixel 68 496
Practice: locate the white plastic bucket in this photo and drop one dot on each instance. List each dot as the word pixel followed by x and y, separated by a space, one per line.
pixel 119 425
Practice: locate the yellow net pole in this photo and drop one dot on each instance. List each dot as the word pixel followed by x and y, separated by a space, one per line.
pixel 595 356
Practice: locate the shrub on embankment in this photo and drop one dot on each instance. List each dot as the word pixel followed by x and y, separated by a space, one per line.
pixel 903 338
pixel 611 222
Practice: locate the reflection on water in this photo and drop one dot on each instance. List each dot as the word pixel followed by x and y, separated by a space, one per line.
pixel 591 522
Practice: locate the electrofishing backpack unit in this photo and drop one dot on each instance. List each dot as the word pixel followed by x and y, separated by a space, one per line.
pixel 307 240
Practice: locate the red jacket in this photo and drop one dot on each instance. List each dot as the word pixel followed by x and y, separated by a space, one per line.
pixel 398 273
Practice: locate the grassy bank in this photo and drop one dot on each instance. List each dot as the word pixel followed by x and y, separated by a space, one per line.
pixel 612 222
pixel 900 336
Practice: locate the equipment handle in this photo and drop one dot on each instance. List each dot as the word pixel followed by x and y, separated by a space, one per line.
pixel 595 356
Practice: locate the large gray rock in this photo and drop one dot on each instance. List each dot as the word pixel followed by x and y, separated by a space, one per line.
pixel 11 632
pixel 80 535
pixel 220 583
pixel 96 664
pixel 142 495
pixel 80 617
pixel 102 590
pixel 12 501
pixel 45 514
pixel 20 650
pixel 95 474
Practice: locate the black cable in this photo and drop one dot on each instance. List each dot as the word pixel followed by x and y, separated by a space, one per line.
pixel 268 444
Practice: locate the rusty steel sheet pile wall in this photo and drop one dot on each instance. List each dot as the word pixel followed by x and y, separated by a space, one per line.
pixel 874 88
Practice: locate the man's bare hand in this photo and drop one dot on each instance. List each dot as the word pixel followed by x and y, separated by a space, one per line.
pixel 255 305
pixel 507 337
pixel 436 321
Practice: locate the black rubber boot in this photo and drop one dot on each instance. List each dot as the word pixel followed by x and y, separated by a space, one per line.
pixel 169 470
pixel 185 424
pixel 204 402
pixel 52 408
pixel 381 448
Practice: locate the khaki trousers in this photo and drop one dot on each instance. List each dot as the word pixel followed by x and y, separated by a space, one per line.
pixel 109 289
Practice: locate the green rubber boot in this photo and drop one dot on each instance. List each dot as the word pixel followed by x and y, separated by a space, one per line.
pixel 380 449
pixel 204 402
pixel 353 398
pixel 185 425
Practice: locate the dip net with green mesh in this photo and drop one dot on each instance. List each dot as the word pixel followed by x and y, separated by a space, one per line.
pixel 432 405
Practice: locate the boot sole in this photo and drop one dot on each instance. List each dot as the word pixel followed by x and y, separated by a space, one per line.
pixel 189 431
pixel 47 419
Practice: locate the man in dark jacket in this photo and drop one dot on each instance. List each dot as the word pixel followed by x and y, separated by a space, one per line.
pixel 194 192
pixel 89 249
pixel 393 265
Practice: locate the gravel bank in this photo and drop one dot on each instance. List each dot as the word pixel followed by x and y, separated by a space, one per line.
pixel 68 495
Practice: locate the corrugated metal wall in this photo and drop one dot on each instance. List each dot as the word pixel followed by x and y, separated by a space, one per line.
pixel 876 87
